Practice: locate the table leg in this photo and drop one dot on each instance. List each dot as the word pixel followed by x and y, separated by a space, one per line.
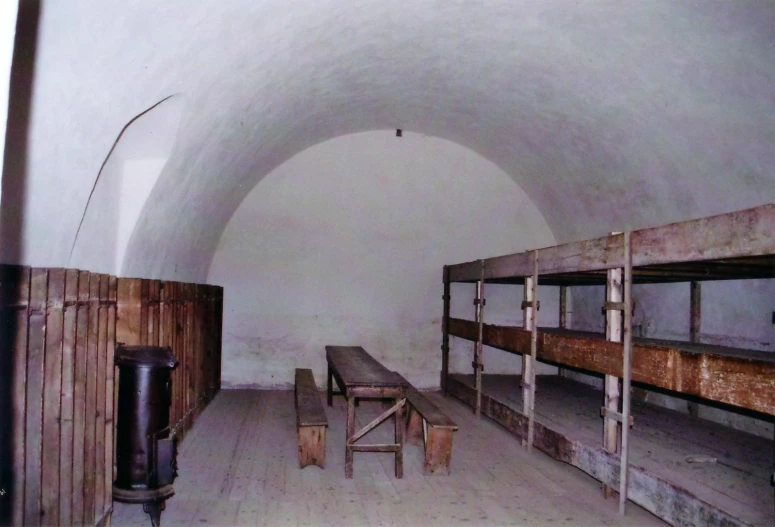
pixel 329 393
pixel 399 421
pixel 348 453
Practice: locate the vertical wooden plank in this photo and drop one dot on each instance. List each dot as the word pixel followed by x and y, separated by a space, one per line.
pixel 66 466
pixel 52 396
pixel 219 337
pixel 175 344
pixel 16 281
pixel 128 312
pixel 613 332
pixel 35 388
pixel 79 396
pixel 533 353
pixel 445 332
pixel 563 319
pixel 90 425
pixel 479 302
pixel 528 321
pixel 624 468
pixel 144 299
pixel 154 290
pixel 101 397
pixel 111 393
pixel 695 330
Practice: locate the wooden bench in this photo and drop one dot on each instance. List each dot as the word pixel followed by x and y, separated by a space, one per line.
pixel 427 424
pixel 311 421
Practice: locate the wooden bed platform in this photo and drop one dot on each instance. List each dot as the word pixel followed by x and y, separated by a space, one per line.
pixel 734 246
pixel 698 470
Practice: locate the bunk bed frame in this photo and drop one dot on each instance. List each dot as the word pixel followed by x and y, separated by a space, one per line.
pixel 731 246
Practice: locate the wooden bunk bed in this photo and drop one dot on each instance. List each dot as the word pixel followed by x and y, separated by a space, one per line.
pixel 739 245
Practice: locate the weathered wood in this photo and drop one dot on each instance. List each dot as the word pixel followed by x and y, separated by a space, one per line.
pixel 90 426
pixel 66 466
pixel 16 292
pixel 35 392
pixel 464 272
pixel 613 333
pixel 358 374
pixel 52 396
pixel 528 359
pixel 129 314
pixel 478 351
pixel 426 416
pixel 743 379
pixel 311 420
pixel 668 501
pixel 111 394
pixel 626 375
pixel 79 396
pixel 445 332
pixel 102 398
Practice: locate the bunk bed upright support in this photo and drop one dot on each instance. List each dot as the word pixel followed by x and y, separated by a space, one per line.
pixel 445 334
pixel 627 373
pixel 529 361
pixel 613 333
pixel 563 318
pixel 479 302
pixel 695 327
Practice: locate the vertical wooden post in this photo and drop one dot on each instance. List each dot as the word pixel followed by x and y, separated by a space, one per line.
pixel 533 352
pixel 79 396
pixel 111 392
pixel 90 425
pixel 528 318
pixel 627 374
pixel 17 283
pixel 445 333
pixel 479 302
pixel 129 311
pixel 52 396
pixel 34 386
pixel 99 426
pixel 613 332
pixel 695 329
pixel 563 318
pixel 66 465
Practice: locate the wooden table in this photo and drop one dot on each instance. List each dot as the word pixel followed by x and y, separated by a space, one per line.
pixel 358 374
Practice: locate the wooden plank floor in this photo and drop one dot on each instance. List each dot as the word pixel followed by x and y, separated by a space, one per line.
pixel 737 467
pixel 239 466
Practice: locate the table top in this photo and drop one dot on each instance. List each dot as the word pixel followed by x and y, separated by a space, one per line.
pixel 357 368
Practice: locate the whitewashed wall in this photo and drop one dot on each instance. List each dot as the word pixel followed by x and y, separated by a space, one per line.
pixel 345 244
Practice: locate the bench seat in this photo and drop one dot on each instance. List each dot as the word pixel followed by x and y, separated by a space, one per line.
pixel 311 421
pixel 428 425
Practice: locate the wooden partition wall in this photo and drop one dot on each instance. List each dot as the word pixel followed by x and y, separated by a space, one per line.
pixel 187 318
pixel 57 381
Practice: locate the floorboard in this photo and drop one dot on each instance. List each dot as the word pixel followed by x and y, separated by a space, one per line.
pixel 239 466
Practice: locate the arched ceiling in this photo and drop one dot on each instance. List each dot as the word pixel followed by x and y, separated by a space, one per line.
pixel 609 114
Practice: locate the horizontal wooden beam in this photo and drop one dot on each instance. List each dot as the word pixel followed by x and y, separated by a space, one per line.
pixel 735 380
pixel 729 237
pixel 674 504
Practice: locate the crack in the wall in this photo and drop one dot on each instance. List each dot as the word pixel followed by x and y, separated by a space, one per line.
pixel 102 168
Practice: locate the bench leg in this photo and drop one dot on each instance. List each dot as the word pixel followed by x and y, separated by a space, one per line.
pixel 438 451
pixel 312 446
pixel 350 431
pixel 414 434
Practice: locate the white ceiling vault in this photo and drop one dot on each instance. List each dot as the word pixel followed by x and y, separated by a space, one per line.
pixel 609 114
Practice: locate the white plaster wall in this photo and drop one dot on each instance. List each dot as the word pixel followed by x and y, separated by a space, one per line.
pixel 8 10
pixel 345 243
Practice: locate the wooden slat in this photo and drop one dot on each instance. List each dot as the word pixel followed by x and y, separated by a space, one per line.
pixel 68 388
pixel 99 425
pixel 309 408
pixel 90 424
pixel 52 396
pixel 35 390
pixel 16 282
pixel 668 501
pixel 111 393
pixel 465 272
pixel 508 266
pixel 738 381
pixel 79 396
pixel 737 234
pixel 129 311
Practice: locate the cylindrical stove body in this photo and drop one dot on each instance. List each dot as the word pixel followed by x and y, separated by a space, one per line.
pixel 145 453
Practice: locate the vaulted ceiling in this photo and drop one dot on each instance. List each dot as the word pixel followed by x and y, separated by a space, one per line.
pixel 609 114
